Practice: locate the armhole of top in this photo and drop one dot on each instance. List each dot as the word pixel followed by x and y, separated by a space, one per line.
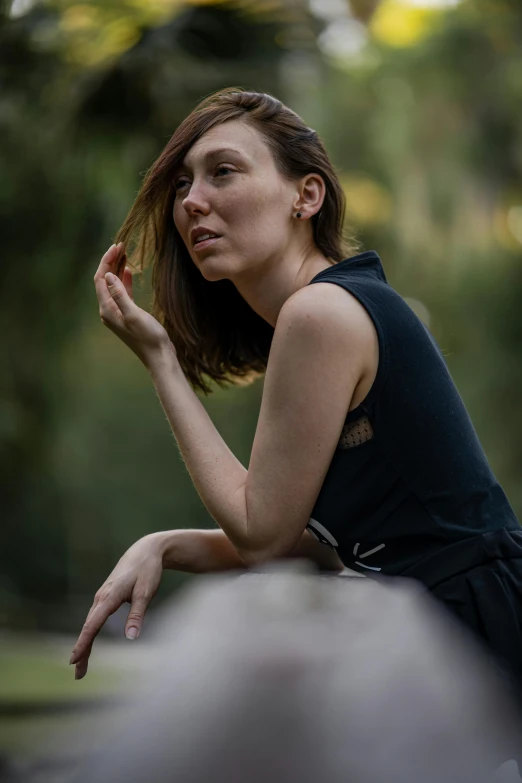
pixel 382 367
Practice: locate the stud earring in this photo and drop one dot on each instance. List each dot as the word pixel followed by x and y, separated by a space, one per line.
pixel 298 215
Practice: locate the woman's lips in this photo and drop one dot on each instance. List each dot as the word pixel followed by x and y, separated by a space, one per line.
pixel 206 243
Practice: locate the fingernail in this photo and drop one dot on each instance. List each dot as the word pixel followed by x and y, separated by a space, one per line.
pixel 72 659
pixel 111 279
pixel 132 633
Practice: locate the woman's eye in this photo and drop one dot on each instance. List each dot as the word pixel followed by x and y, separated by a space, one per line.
pixel 183 182
pixel 223 168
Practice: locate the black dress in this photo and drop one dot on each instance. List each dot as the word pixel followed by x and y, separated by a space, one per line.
pixel 409 490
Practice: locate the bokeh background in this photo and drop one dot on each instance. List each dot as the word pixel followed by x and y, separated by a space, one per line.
pixel 419 103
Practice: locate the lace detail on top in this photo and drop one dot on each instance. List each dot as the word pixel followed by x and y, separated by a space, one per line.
pixel 355 433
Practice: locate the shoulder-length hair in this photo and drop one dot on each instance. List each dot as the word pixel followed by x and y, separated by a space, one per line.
pixel 216 334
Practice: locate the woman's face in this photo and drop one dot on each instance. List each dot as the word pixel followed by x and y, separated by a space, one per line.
pixel 229 185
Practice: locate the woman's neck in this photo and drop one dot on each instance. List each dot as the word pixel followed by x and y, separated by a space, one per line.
pixel 266 289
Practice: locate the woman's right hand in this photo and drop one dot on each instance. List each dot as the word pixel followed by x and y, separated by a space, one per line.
pixel 135 579
pixel 137 328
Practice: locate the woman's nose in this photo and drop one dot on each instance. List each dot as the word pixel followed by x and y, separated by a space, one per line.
pixel 195 202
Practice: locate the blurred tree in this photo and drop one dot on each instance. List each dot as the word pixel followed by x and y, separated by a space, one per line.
pixel 49 221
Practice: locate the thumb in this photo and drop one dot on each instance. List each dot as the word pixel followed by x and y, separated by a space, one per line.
pixel 135 617
pixel 118 293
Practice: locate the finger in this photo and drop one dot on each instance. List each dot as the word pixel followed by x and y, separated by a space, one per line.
pixel 127 282
pixel 76 650
pixel 135 617
pixel 80 670
pixel 100 284
pixel 94 622
pixel 119 294
pixel 107 261
pixel 96 618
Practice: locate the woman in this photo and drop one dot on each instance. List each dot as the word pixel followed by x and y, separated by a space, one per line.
pixel 364 455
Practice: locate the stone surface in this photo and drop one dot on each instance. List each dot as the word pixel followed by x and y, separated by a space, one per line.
pixel 290 676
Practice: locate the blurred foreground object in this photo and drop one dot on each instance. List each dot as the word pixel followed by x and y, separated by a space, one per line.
pixel 288 676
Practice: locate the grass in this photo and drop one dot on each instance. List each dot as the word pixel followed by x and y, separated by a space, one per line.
pixel 31 677
pixel 37 678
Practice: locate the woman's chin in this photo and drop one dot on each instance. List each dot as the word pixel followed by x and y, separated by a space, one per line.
pixel 213 266
pixel 212 271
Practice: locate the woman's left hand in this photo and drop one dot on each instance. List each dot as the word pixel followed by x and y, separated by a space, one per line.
pixel 139 330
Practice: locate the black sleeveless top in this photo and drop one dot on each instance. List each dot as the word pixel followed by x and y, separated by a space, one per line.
pixel 409 477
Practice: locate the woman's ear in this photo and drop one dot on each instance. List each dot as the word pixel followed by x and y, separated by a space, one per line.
pixel 312 193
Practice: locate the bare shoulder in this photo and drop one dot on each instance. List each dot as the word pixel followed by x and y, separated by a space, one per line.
pixel 331 311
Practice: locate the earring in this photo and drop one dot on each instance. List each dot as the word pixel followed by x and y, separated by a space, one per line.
pixel 298 215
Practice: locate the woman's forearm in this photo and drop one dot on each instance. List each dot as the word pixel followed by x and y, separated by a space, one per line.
pixel 216 473
pixel 198 551
pixel 205 551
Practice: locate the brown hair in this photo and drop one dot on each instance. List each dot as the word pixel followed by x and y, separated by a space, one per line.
pixel 214 331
